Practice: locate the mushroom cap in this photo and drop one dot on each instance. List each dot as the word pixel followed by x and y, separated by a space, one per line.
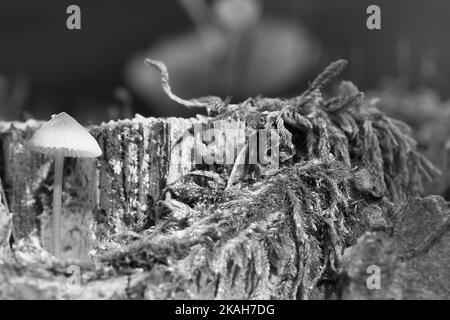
pixel 64 133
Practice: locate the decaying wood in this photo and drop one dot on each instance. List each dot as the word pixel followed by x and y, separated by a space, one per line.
pixel 102 197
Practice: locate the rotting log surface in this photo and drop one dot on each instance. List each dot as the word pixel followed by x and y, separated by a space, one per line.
pixel 103 197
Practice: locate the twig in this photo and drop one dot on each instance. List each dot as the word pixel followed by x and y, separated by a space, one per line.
pixel 161 67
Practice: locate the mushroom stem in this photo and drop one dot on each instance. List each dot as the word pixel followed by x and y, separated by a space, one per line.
pixel 57 190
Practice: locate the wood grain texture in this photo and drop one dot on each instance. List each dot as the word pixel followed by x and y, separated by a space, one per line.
pixel 102 197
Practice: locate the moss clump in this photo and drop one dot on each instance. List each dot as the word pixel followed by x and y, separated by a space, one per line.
pixel 346 128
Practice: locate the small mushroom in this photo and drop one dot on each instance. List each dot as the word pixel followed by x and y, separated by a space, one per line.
pixel 62 137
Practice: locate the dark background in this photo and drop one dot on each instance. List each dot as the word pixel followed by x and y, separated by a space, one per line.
pixel 47 69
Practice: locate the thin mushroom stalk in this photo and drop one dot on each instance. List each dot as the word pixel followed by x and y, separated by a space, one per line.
pixel 62 137
pixel 57 195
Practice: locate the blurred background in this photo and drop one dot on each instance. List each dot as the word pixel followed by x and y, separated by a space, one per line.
pixel 235 48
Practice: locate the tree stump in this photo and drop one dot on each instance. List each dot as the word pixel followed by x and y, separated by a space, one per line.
pixel 157 229
pixel 101 197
